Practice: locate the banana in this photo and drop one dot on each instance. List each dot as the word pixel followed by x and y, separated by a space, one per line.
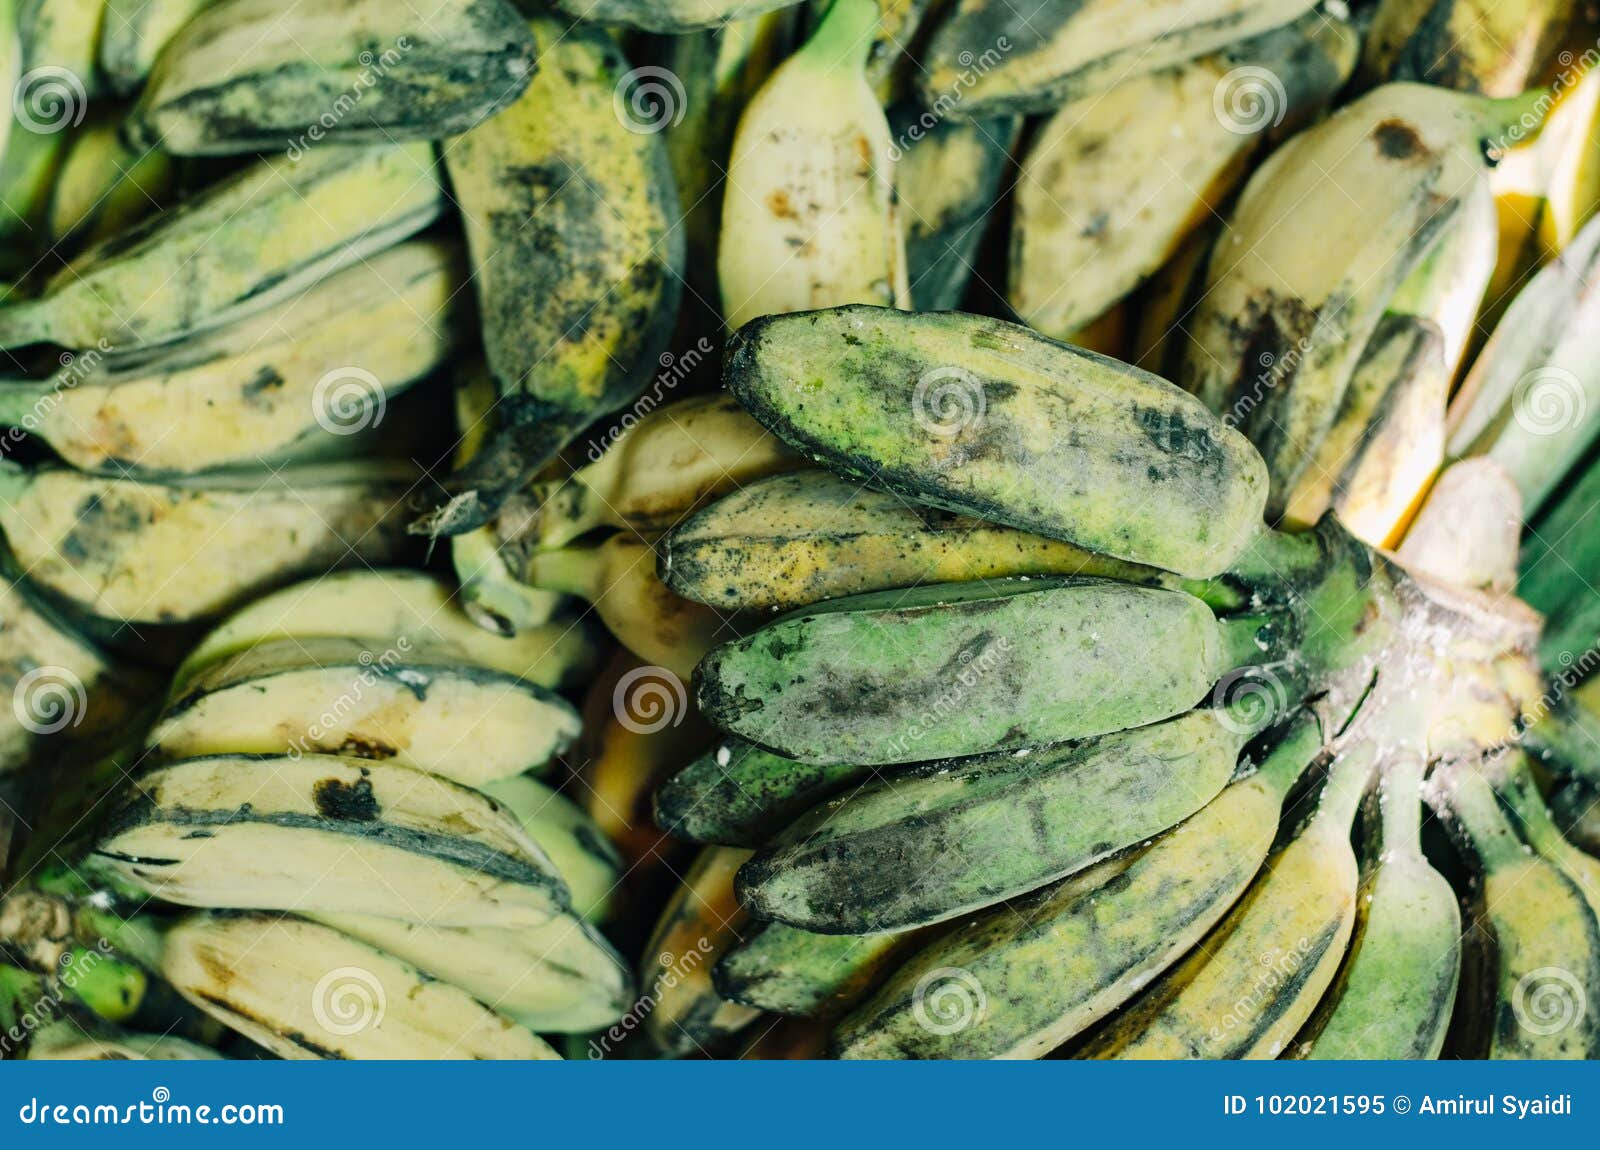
pixel 302 990
pixel 1572 185
pixel 1495 49
pixel 700 921
pixel 795 972
pixel 969 668
pixel 988 56
pixel 1576 809
pixel 320 833
pixel 809 218
pixel 257 238
pixel 183 550
pixel 793 540
pixel 28 167
pixel 1517 791
pixel 588 862
pixel 294 378
pixel 1469 528
pixel 1256 977
pixel 934 841
pixel 578 280
pixel 395 604
pixel 1533 947
pixel 1165 305
pixel 135 32
pixel 947 174
pixel 1398 986
pixel 560 977
pixel 37 1023
pixel 63 34
pixel 402 704
pixel 618 577
pixel 1280 328
pixel 104 186
pixel 238 77
pixel 672 460
pixel 1053 965
pixel 122 1048
pixel 965 413
pixel 1114 183
pixel 1566 729
pixel 1528 402
pixel 669 16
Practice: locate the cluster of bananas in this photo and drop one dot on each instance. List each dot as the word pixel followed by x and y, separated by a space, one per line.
pixel 1038 704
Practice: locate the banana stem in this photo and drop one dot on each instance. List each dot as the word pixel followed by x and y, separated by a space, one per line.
pixel 573 571
pixel 1477 816
pixel 1347 783
pixel 842 41
pixel 1258 638
pixel 1538 827
pixel 1295 751
pixel 1499 116
pixel 1400 804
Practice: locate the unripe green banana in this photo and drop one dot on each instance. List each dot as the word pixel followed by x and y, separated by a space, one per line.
pixel 104 186
pixel 321 833
pixel 578 280
pixel 809 218
pixel 669 16
pixel 291 379
pixel 1053 965
pixel 795 972
pixel 1492 48
pixel 135 32
pixel 995 57
pixel 1398 986
pixel 1113 183
pixel 377 699
pixel 1256 977
pixel 967 668
pixel 1533 948
pixel 303 990
pixel 238 77
pixel 800 538
pixel 28 167
pixel 181 551
pixel 937 840
pixel 968 414
pixel 259 237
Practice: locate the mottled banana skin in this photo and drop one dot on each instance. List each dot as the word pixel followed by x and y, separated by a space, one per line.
pixel 1053 965
pixel 1035 55
pixel 669 16
pixel 254 390
pixel 795 972
pixel 238 77
pixel 979 830
pixel 1113 183
pixel 255 239
pixel 1486 46
pixel 804 537
pixel 986 418
pixel 570 215
pixel 62 34
pixel 174 552
pixel 134 34
pixel 968 668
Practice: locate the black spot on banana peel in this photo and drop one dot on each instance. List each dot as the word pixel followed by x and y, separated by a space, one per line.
pixel 987 418
pixel 570 215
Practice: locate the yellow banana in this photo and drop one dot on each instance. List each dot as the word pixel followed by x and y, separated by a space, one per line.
pixel 104 186
pixel 1473 45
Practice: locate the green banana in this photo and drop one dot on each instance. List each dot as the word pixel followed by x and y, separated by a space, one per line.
pixel 1495 49
pixel 795 972
pixel 966 413
pixel 183 550
pixel 320 833
pixel 1113 183
pixel 1394 996
pixel 302 990
pixel 135 32
pixel 1049 967
pixel 103 186
pixel 947 174
pixel 254 239
pixel 934 841
pixel 546 247
pixel 62 35
pixel 1521 796
pixel 1256 977
pixel 969 668
pixel 238 77
pixel 28 167
pixel 36 1022
pixel 797 539
pixel 402 704
pixel 1533 949
pixel 990 56
pixel 669 16
pixel 580 850
pixel 396 604
pixel 294 378
pixel 1576 807
pixel 809 218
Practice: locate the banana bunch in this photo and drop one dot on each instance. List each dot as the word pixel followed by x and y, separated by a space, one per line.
pixel 331 841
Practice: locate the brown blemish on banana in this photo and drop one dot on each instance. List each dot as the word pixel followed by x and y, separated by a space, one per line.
pixel 354 802
pixel 1397 140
